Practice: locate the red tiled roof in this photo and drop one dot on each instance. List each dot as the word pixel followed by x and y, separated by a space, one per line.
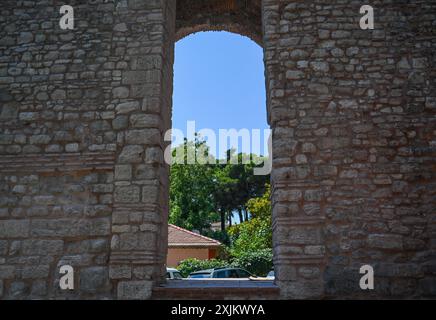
pixel 179 237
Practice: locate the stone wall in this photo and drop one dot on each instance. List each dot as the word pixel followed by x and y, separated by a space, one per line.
pixel 82 118
pixel 82 178
pixel 353 113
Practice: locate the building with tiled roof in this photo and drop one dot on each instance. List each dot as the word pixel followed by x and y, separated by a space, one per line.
pixel 184 244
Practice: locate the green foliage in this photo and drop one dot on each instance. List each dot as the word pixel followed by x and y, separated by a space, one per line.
pixel 258 262
pixel 254 234
pixel 221 236
pixel 203 193
pixel 190 265
pixel 236 184
pixel 260 207
pixel 191 189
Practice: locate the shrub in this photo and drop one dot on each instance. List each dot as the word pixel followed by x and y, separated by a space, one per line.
pixel 258 262
pixel 190 265
pixel 251 236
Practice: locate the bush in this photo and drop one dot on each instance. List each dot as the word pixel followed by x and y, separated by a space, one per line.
pixel 258 262
pixel 190 265
pixel 251 236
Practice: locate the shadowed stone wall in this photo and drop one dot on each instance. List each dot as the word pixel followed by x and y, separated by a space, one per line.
pixel 82 118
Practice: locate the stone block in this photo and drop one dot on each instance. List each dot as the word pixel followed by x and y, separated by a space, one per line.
pixel 139 77
pixel 94 280
pixel 71 227
pixel 42 247
pixel 14 228
pixel 120 272
pixel 134 290
pixel 150 194
pixel 145 121
pixel 120 122
pixel 35 272
pixel 126 194
pixel 18 289
pixel 127 107
pixel 143 136
pixel 3 247
pixel 120 92
pixel 39 288
pixel 385 241
pixel 132 154
pixel 304 235
pixel 7 272
pixel 123 172
pixel 326 170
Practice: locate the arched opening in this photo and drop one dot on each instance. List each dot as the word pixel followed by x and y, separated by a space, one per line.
pixel 241 19
pixel 219 86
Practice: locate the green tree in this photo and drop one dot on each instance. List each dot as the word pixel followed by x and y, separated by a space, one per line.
pixel 236 184
pixel 202 193
pixel 191 190
pixel 256 233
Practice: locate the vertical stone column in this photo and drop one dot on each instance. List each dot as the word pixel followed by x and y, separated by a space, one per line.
pixel 298 176
pixel 140 210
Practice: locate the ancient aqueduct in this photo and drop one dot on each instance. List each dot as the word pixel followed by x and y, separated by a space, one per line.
pixel 83 111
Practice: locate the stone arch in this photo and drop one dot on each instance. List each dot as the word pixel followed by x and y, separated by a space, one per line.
pixel 237 16
pixel 81 135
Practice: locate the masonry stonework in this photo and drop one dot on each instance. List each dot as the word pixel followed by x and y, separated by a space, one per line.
pixel 83 114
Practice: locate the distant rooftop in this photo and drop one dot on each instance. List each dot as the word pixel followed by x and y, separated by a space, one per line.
pixel 179 237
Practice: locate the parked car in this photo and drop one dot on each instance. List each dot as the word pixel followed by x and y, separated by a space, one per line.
pixel 173 274
pixel 271 275
pixel 221 273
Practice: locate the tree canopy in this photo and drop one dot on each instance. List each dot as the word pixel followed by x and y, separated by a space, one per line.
pixel 204 193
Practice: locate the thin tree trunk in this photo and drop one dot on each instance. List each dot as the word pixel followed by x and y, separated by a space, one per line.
pixel 230 218
pixel 241 217
pixel 223 220
pixel 246 214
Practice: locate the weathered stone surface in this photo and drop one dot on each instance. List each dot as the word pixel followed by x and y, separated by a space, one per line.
pixel 120 272
pixel 14 228
pixel 305 235
pixel 35 272
pixel 18 289
pixel 123 172
pixel 132 154
pixel 126 194
pixel 42 247
pixel 143 136
pixel 81 150
pixel 134 290
pixel 94 279
pixel 385 241
pixel 7 272
pixel 70 227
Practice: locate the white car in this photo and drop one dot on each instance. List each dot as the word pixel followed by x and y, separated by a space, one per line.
pixel 173 274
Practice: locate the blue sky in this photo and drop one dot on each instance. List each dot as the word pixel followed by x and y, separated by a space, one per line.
pixel 219 83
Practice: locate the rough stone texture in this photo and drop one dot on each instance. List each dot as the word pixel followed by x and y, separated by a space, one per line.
pixel 239 16
pixel 359 105
pixel 82 117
